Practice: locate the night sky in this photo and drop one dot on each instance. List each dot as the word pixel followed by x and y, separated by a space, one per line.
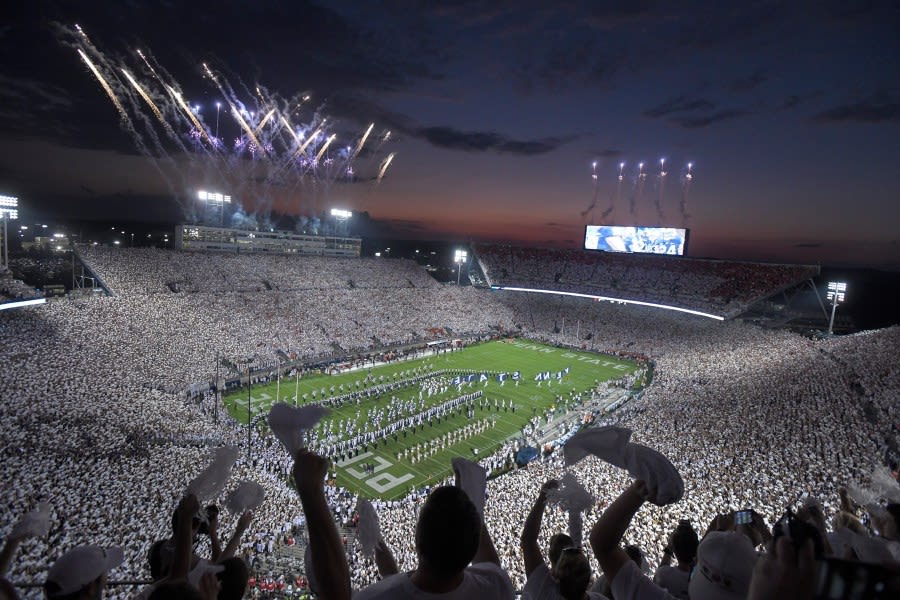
pixel 788 111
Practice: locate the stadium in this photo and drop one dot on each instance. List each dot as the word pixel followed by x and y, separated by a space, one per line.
pixel 155 373
pixel 640 375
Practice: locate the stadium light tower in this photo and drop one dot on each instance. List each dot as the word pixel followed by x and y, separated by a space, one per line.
pixel 341 216
pixel 217 199
pixel 836 295
pixel 9 209
pixel 459 257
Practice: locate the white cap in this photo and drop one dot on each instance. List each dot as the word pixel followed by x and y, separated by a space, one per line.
pixel 80 566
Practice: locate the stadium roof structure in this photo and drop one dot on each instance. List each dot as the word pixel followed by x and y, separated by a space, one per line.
pixel 716 289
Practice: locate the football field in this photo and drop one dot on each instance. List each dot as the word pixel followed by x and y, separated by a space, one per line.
pixel 415 457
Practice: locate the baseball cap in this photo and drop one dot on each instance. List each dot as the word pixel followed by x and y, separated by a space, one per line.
pixel 80 566
pixel 725 561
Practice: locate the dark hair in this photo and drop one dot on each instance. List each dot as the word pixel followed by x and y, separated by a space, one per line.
pixel 573 573
pixel 175 590
pixel 685 542
pixel 558 542
pixel 448 531
pixel 51 590
pixel 635 554
pixel 233 578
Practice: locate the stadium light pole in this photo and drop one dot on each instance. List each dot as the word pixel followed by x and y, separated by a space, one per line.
pixel 459 257
pixel 836 294
pixel 9 208
pixel 217 199
pixel 341 216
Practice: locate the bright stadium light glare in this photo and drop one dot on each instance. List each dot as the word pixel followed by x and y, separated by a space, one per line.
pixel 9 209
pixel 836 291
pixel 836 294
pixel 459 257
pixel 215 199
pixel 340 213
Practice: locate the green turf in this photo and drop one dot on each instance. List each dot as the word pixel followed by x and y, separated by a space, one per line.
pixel 393 478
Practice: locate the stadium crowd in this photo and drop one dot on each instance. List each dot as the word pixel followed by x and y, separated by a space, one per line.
pixel 719 287
pixel 15 289
pixel 96 422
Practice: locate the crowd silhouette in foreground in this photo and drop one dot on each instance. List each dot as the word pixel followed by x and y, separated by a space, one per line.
pixel 738 556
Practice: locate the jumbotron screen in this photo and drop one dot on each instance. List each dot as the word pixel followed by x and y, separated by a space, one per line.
pixel 647 240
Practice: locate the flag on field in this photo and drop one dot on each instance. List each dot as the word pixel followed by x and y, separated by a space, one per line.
pixel 502 377
pixel 457 380
pixel 483 377
pixel 471 377
pixel 516 375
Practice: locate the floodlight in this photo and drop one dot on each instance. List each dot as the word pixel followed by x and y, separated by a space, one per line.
pixel 340 213
pixel 217 197
pixel 459 257
pixel 9 209
pixel 836 294
pixel 836 291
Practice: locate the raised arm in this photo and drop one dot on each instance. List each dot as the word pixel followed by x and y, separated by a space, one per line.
pixel 329 563
pixel 486 551
pixel 8 553
pixel 385 561
pixel 185 513
pixel 529 539
pixel 235 540
pixel 213 532
pixel 606 535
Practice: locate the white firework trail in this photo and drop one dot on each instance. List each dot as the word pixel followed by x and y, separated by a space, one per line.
pixel 384 166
